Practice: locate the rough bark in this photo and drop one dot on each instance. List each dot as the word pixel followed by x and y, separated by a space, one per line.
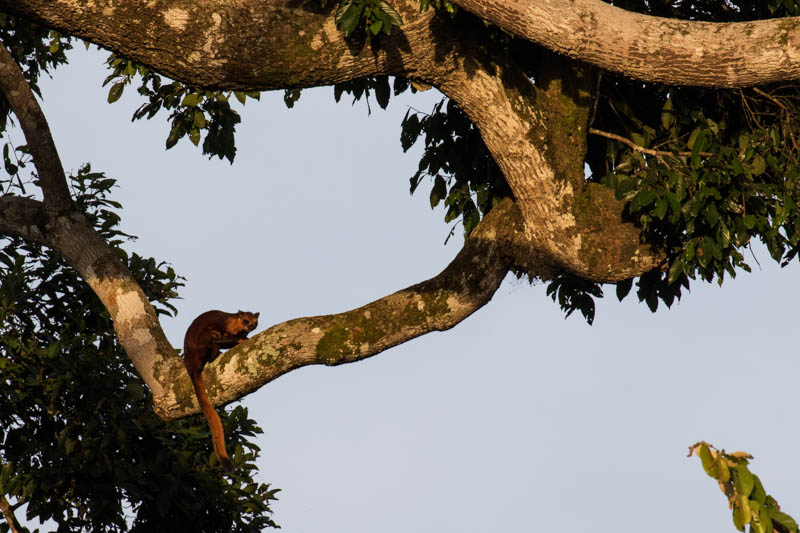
pixel 677 52
pixel 210 43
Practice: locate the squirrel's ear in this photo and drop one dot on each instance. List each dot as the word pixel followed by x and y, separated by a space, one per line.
pixel 239 312
pixel 258 314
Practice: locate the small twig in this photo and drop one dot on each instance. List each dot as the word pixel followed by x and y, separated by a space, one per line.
pixel 750 247
pixel 749 115
pixel 768 96
pixel 417 111
pixel 654 153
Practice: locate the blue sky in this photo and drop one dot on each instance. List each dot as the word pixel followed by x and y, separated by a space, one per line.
pixel 516 420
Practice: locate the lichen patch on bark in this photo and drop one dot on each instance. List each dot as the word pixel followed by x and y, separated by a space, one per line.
pixel 176 18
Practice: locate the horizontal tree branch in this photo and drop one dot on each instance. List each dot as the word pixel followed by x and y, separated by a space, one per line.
pixel 242 45
pixel 655 49
pixel 467 284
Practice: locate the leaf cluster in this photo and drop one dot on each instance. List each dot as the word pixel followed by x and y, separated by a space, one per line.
pixel 194 112
pixel 709 170
pixel 726 169
pixel 79 441
pixel 747 499
pixel 575 294
pixel 37 49
pixel 465 176
pixel 374 17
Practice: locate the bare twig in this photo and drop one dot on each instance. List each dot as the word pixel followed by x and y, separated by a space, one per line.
pixel 654 153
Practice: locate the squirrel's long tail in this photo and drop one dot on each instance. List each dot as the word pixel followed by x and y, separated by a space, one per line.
pixel 217 435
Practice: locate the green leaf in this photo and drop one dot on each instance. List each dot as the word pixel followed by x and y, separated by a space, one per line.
pixel 698 144
pixel 711 215
pixel 652 302
pixel 642 198
pixel 759 494
pixel 199 119
pixel 661 208
pixel 741 513
pixel 758 166
pixel 439 191
pixel 382 91
pixel 623 288
pixel 470 216
pixel 675 271
pixel 194 136
pixel 744 481
pixel 667 114
pixel 175 134
pixel 782 519
pixel 723 472
pixel 393 15
pixel 115 92
pixel 706 460
pixel 191 100
pixel 723 235
pixel 765 520
pixel 348 15
pixel 706 252
pixel 290 96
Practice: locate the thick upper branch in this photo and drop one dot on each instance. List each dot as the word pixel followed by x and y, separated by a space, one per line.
pixel 651 48
pixel 213 43
pixel 247 44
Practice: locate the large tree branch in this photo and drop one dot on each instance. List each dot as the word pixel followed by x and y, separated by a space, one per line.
pixel 466 285
pixel 246 45
pixel 37 133
pixel 671 51
pixel 204 44
pixel 537 135
pixel 196 42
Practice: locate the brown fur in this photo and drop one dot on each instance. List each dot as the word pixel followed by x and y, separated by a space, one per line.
pixel 207 334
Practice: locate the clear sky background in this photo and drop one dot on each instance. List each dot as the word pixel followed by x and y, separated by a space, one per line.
pixel 517 420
